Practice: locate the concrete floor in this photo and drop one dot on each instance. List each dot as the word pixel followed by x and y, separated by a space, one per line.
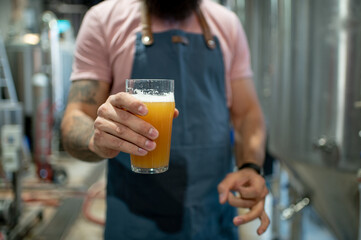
pixel 85 229
pixel 312 226
pixel 50 197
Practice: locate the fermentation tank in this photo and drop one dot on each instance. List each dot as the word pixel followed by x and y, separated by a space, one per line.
pixel 306 57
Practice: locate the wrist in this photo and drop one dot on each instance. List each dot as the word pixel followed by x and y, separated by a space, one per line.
pixel 258 169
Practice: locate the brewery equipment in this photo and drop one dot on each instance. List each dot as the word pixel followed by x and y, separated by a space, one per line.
pixel 11 157
pixel 41 66
pixel 306 57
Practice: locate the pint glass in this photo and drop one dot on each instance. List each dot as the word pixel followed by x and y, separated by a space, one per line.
pixel 158 96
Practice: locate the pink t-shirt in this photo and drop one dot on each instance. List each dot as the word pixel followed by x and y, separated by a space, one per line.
pixel 106 41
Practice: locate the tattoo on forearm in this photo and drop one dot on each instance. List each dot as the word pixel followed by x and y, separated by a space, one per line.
pixel 83 91
pixel 78 138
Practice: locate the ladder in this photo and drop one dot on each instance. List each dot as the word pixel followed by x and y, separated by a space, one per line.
pixel 11 119
pixel 7 88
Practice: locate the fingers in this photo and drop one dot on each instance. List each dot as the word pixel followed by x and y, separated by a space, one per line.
pixel 254 213
pixel 132 104
pixel 124 118
pixel 257 191
pixel 109 145
pixel 224 188
pixel 132 134
pixel 121 138
pixel 252 192
pixel 128 102
pixel 240 202
pixel 102 151
pixel 264 223
pixel 231 182
pixel 117 128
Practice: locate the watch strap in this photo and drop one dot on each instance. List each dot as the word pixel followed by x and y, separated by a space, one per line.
pixel 253 166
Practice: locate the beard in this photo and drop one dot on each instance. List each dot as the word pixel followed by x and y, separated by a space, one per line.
pixel 172 9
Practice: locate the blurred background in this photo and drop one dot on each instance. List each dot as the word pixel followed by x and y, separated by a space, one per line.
pixel 306 58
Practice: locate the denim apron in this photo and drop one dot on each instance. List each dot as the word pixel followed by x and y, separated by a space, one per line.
pixel 181 203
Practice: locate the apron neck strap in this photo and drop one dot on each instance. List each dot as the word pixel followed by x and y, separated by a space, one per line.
pixel 208 37
pixel 147 35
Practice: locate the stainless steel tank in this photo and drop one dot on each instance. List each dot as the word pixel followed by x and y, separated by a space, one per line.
pixel 316 110
pixel 306 57
pixel 25 60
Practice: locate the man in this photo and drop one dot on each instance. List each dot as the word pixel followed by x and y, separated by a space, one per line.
pixel 202 46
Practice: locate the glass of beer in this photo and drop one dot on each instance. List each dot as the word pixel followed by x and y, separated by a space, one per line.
pixel 158 96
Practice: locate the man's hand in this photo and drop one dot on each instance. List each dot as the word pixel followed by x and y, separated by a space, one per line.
pixel 118 129
pixel 252 191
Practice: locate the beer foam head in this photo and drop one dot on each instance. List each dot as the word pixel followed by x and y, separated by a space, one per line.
pixel 167 97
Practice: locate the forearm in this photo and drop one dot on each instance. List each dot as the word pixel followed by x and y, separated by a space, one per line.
pixel 77 126
pixel 77 130
pixel 250 138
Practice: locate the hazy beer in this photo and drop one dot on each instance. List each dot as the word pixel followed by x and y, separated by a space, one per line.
pixel 160 103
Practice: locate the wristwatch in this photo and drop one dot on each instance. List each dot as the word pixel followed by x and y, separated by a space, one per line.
pixel 254 166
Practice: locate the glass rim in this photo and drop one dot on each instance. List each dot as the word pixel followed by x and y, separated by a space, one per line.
pixel 150 79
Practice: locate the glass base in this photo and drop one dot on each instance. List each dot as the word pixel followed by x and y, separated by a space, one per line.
pixel 149 170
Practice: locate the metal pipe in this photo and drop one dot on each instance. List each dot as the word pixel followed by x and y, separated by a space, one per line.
pixel 342 69
pixel 51 45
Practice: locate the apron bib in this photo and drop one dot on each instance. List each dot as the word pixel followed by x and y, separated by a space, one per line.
pixel 181 203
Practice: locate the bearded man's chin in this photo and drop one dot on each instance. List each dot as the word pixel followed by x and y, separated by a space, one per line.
pixel 172 9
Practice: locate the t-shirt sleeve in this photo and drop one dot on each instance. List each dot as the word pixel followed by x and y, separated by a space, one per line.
pixel 241 62
pixel 91 58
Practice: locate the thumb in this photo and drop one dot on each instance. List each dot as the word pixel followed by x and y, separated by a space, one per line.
pixel 176 113
pixel 223 190
pixel 223 197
